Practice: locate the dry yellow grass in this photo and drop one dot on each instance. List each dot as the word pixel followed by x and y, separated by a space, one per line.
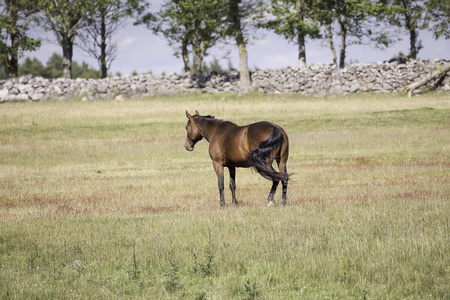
pixel 109 185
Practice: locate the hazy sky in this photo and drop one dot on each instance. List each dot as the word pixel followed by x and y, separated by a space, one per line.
pixel 142 51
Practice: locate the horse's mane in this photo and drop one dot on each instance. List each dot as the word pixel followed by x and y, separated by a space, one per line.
pixel 208 117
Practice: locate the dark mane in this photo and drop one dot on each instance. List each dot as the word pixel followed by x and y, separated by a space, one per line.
pixel 207 117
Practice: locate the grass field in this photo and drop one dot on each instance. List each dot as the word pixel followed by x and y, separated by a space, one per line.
pixel 100 200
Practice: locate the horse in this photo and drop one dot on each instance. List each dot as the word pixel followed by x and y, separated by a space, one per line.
pixel 256 145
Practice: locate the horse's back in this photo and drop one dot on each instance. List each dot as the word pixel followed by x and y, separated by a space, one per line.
pixel 258 132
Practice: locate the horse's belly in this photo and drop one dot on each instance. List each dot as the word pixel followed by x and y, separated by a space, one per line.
pixel 237 157
pixel 238 164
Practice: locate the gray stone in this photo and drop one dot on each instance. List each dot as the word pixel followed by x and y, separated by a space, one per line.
pixel 369 79
pixel 103 88
pixel 37 97
pixel 3 93
pixel 354 87
pixel 14 91
pixel 22 97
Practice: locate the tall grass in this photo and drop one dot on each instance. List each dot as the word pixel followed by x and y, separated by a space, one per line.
pixel 100 200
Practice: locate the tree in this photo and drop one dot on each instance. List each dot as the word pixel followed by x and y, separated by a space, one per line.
pixel 439 10
pixel 33 67
pixel 295 20
pixel 65 18
pixel 239 22
pixel 84 71
pixel 413 16
pixel 54 68
pixel 14 24
pixel 104 19
pixel 356 22
pixel 214 66
pixel 191 27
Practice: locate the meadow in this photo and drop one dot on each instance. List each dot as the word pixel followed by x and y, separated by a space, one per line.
pixel 101 200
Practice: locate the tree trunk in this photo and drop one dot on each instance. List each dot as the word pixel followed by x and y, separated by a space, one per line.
pixel 11 61
pixel 104 66
pixel 64 20
pixel 343 24
pixel 440 72
pixel 245 85
pixel 198 51
pixel 184 48
pixel 410 23
pixel 185 55
pixel 67 47
pixel 301 51
pixel 245 82
pixel 301 37
pixel 330 40
pixel 413 44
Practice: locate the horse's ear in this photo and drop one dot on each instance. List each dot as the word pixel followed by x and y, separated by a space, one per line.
pixel 188 115
pixel 196 113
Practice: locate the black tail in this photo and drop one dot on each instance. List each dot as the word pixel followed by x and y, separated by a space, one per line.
pixel 262 154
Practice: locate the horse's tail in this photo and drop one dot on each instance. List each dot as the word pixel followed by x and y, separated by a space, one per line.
pixel 262 155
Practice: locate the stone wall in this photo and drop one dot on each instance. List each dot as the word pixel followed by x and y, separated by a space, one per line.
pixel 314 80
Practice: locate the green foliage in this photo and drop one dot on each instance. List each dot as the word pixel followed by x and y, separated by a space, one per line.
pixel 33 67
pixel 53 68
pixel 2 73
pixel 206 267
pixel 191 27
pixel 15 19
pixel 251 290
pixel 440 12
pixel 412 16
pixel 85 71
pixel 356 22
pixel 293 18
pixel 104 18
pixel 172 281
pixel 64 18
pixel 214 66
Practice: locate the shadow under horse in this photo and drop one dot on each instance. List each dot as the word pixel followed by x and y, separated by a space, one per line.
pixel 256 145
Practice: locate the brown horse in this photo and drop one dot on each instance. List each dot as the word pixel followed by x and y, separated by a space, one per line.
pixel 256 145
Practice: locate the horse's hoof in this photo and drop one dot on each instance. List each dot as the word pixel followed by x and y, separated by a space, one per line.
pixel 271 203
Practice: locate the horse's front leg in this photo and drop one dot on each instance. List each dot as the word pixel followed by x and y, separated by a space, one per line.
pixel 233 183
pixel 218 167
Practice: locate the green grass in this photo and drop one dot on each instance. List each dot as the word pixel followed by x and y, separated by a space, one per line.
pixel 100 200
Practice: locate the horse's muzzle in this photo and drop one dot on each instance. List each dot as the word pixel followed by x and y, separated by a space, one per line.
pixel 188 147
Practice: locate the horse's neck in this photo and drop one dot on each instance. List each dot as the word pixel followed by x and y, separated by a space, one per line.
pixel 207 127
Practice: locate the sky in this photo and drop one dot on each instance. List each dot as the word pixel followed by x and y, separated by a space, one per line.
pixel 142 51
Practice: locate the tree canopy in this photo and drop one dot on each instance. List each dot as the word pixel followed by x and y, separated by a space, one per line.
pixel 194 27
pixel 14 39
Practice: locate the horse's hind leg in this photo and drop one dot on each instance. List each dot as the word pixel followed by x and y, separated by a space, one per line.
pixel 272 192
pixel 233 183
pixel 283 169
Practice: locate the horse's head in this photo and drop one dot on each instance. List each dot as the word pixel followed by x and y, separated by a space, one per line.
pixel 193 133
